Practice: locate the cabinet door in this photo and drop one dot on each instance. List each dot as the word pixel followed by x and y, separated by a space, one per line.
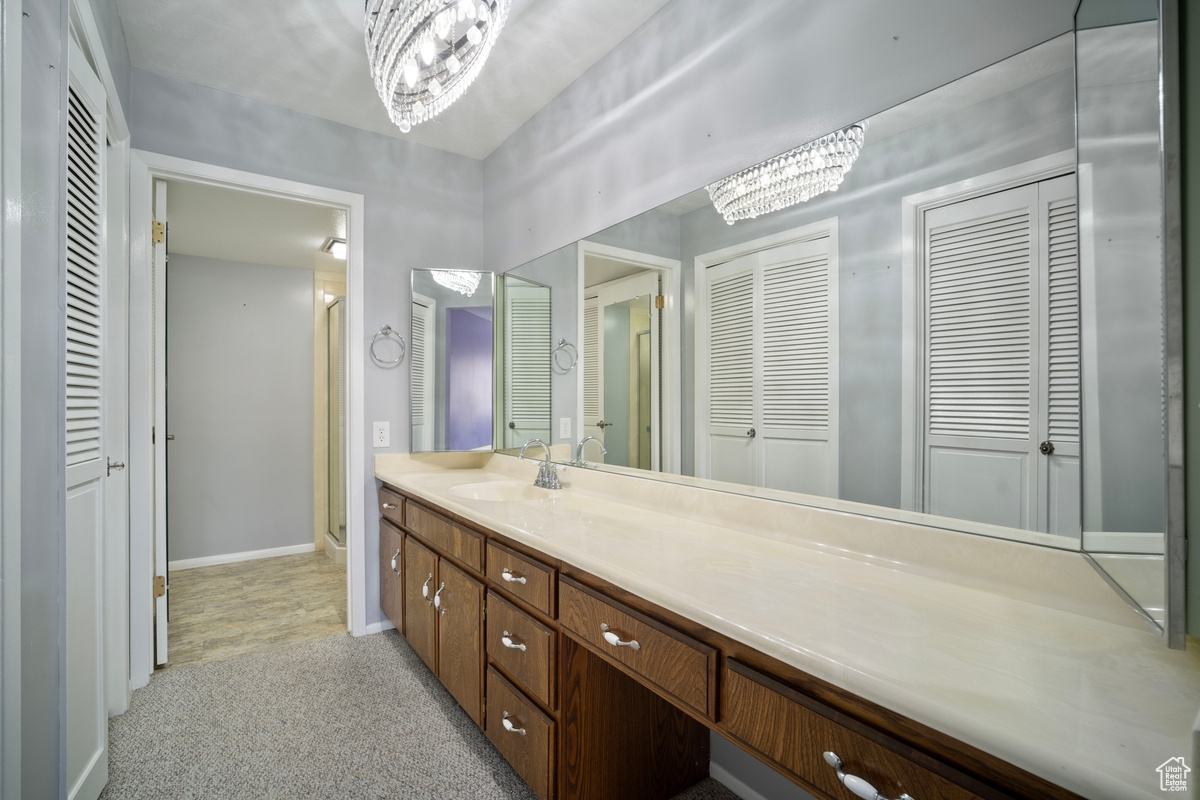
pixel 391 572
pixel 420 618
pixel 460 638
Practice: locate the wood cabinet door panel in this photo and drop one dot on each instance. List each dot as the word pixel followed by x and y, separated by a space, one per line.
pixel 523 647
pixel 667 658
pixel 765 716
pixel 460 637
pixel 457 542
pixel 420 620
pixel 391 506
pixel 524 578
pixel 391 573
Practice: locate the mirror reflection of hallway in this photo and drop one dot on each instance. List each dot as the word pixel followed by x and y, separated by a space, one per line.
pixel 622 380
pixel 255 407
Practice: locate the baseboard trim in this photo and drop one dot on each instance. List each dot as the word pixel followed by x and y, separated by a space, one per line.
pixel 723 777
pixel 377 627
pixel 246 555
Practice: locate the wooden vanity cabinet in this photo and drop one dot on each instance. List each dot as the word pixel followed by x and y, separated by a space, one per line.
pixel 391 573
pixel 589 715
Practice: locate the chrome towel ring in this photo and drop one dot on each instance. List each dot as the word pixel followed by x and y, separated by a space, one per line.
pixel 564 357
pixel 386 332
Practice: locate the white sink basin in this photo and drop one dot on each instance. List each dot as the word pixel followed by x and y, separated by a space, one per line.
pixel 500 491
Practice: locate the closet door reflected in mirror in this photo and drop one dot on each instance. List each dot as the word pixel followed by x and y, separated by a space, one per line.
pixel 450 362
pixel 523 353
pixel 336 405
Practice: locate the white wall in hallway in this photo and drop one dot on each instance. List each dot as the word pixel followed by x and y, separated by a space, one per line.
pixel 239 403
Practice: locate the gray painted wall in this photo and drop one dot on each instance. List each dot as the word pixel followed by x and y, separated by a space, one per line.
pixel 423 209
pixel 43 476
pixel 694 94
pixel 240 406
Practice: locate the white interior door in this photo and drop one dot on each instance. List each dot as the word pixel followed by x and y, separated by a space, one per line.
pixel 527 355
pixel 421 373
pixel 1001 293
pixel 772 368
pixel 161 434
pixel 1059 434
pixel 86 467
pixel 593 371
pixel 732 377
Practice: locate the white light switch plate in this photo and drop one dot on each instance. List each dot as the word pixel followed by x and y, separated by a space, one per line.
pixel 564 428
pixel 381 434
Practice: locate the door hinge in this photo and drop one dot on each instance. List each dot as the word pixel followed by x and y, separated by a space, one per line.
pixel 158 232
pixel 160 586
pixel 660 301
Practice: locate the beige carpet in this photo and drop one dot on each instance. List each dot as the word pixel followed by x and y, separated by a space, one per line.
pixel 335 718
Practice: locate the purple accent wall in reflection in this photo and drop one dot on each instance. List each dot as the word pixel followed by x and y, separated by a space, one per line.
pixel 468 378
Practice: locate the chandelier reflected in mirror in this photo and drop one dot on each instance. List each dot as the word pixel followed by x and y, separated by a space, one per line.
pixel 425 53
pixel 462 281
pixel 794 177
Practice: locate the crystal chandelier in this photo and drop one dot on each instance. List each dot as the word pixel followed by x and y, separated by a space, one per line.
pixel 791 178
pixel 425 53
pixel 462 281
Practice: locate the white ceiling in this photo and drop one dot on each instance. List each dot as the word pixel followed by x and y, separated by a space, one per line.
pixel 310 56
pixel 251 228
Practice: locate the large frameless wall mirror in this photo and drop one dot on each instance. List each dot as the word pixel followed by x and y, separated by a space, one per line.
pixel 450 360
pixel 907 341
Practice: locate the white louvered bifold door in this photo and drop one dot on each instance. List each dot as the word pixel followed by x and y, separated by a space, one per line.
pixel 593 374
pixel 981 361
pixel 86 727
pixel 527 339
pixel 1060 482
pixel 732 383
pixel 420 371
pixel 797 427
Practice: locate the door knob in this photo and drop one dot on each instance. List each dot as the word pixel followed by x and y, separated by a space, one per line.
pixel 602 424
pixel 1046 448
pixel 115 465
pixel 170 437
pixel 752 433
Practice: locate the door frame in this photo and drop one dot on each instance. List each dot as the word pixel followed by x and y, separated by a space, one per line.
pixel 913 208
pixel 145 168
pixel 813 230
pixel 671 273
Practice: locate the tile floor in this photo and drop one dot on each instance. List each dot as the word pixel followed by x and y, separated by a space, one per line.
pixel 226 610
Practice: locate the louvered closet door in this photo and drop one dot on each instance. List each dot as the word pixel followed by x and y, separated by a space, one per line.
pixel 732 379
pixel 797 422
pixel 982 361
pixel 593 373
pixel 86 717
pixel 527 389
pixel 420 341
pixel 1059 503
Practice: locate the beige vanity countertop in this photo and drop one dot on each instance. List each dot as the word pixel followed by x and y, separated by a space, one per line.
pixel 1088 703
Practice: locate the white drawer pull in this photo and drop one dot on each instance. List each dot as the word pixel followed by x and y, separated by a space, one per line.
pixel 437 599
pixel 508 576
pixel 390 506
pixel 507 641
pixel 508 726
pixel 425 587
pixel 615 640
pixel 395 555
pixel 857 786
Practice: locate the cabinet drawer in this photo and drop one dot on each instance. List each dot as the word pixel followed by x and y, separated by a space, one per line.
pixel 788 729
pixel 391 568
pixel 522 577
pixel 667 658
pixel 460 543
pixel 529 746
pixel 522 647
pixel 391 506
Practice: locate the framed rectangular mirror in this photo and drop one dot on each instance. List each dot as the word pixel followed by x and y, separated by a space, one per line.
pixel 450 360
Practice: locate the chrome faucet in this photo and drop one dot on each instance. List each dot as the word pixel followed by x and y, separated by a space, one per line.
pixel 547 476
pixel 579 462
